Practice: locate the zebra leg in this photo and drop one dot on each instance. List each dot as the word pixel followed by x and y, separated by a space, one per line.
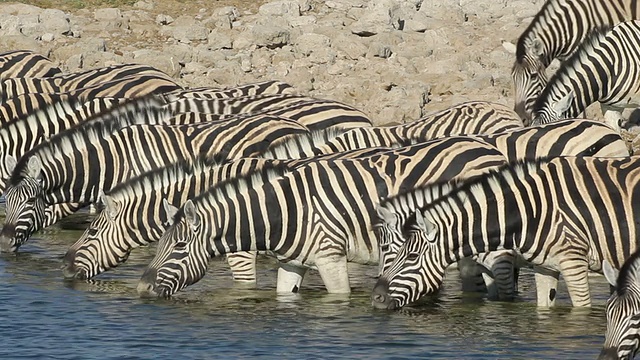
pixel 289 278
pixel 501 265
pixel 243 266
pixel 472 277
pixel 575 272
pixel 546 285
pixel 334 274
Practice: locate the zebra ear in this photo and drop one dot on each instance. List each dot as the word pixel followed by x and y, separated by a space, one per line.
pixel 110 205
pixel 610 273
pixel 386 215
pixel 427 226
pixel 34 167
pixel 191 215
pixel 537 47
pixel 10 163
pixel 170 210
pixel 561 106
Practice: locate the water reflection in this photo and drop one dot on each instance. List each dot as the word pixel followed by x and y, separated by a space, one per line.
pixel 46 316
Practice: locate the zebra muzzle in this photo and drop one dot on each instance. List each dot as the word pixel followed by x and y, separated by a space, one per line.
pixel 380 298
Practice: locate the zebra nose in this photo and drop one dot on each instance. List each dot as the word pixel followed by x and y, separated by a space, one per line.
pixel 69 268
pixel 379 296
pixel 7 245
pixel 608 354
pixel 146 285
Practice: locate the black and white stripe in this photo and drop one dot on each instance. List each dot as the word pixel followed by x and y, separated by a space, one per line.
pixel 568 214
pixel 563 138
pixel 333 199
pixel 604 69
pixel 26 63
pixel 555 33
pixel 622 338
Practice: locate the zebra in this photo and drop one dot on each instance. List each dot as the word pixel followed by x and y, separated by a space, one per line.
pixel 555 33
pixel 252 89
pixel 602 69
pixel 622 337
pixel 49 171
pixel 565 214
pixel 331 199
pixel 577 137
pixel 86 79
pixel 26 63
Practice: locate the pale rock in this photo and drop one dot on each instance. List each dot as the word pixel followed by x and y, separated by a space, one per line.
pixel 286 8
pixel 219 40
pixel 350 45
pixel 145 5
pixel 158 59
pixel 307 44
pixel 111 18
pixel 55 21
pixel 270 36
pixel 179 53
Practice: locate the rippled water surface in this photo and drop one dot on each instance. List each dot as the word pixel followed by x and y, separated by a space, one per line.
pixel 43 316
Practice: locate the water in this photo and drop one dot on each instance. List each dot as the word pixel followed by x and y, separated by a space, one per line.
pixel 44 316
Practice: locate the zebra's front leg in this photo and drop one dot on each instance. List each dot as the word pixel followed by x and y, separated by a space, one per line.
pixel 243 266
pixel 334 273
pixel 501 265
pixel 289 278
pixel 546 285
pixel 473 278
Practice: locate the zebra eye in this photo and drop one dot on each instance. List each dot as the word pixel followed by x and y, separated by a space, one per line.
pixel 181 244
pixel 92 232
pixel 413 256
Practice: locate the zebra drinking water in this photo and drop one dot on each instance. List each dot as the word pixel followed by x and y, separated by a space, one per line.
pixel 564 138
pixel 566 214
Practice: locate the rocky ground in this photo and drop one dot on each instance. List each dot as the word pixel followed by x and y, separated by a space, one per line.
pixel 394 59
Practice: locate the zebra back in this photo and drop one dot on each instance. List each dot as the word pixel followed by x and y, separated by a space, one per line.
pixel 26 63
pixel 268 87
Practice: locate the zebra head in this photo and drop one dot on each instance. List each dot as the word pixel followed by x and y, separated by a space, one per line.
pixel 529 77
pixel 552 107
pixel 417 270
pixel 622 338
pixel 181 259
pixel 388 230
pixel 105 244
pixel 25 207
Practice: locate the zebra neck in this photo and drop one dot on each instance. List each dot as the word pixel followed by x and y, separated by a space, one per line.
pixel 480 223
pixel 247 221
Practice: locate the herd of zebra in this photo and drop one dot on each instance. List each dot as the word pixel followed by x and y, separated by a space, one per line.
pixel 257 168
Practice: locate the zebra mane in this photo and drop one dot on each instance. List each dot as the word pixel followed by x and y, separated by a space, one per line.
pixel 91 131
pixel 307 145
pixel 593 38
pixel 52 100
pixel 629 273
pixel 164 176
pixel 231 187
pixel 462 187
